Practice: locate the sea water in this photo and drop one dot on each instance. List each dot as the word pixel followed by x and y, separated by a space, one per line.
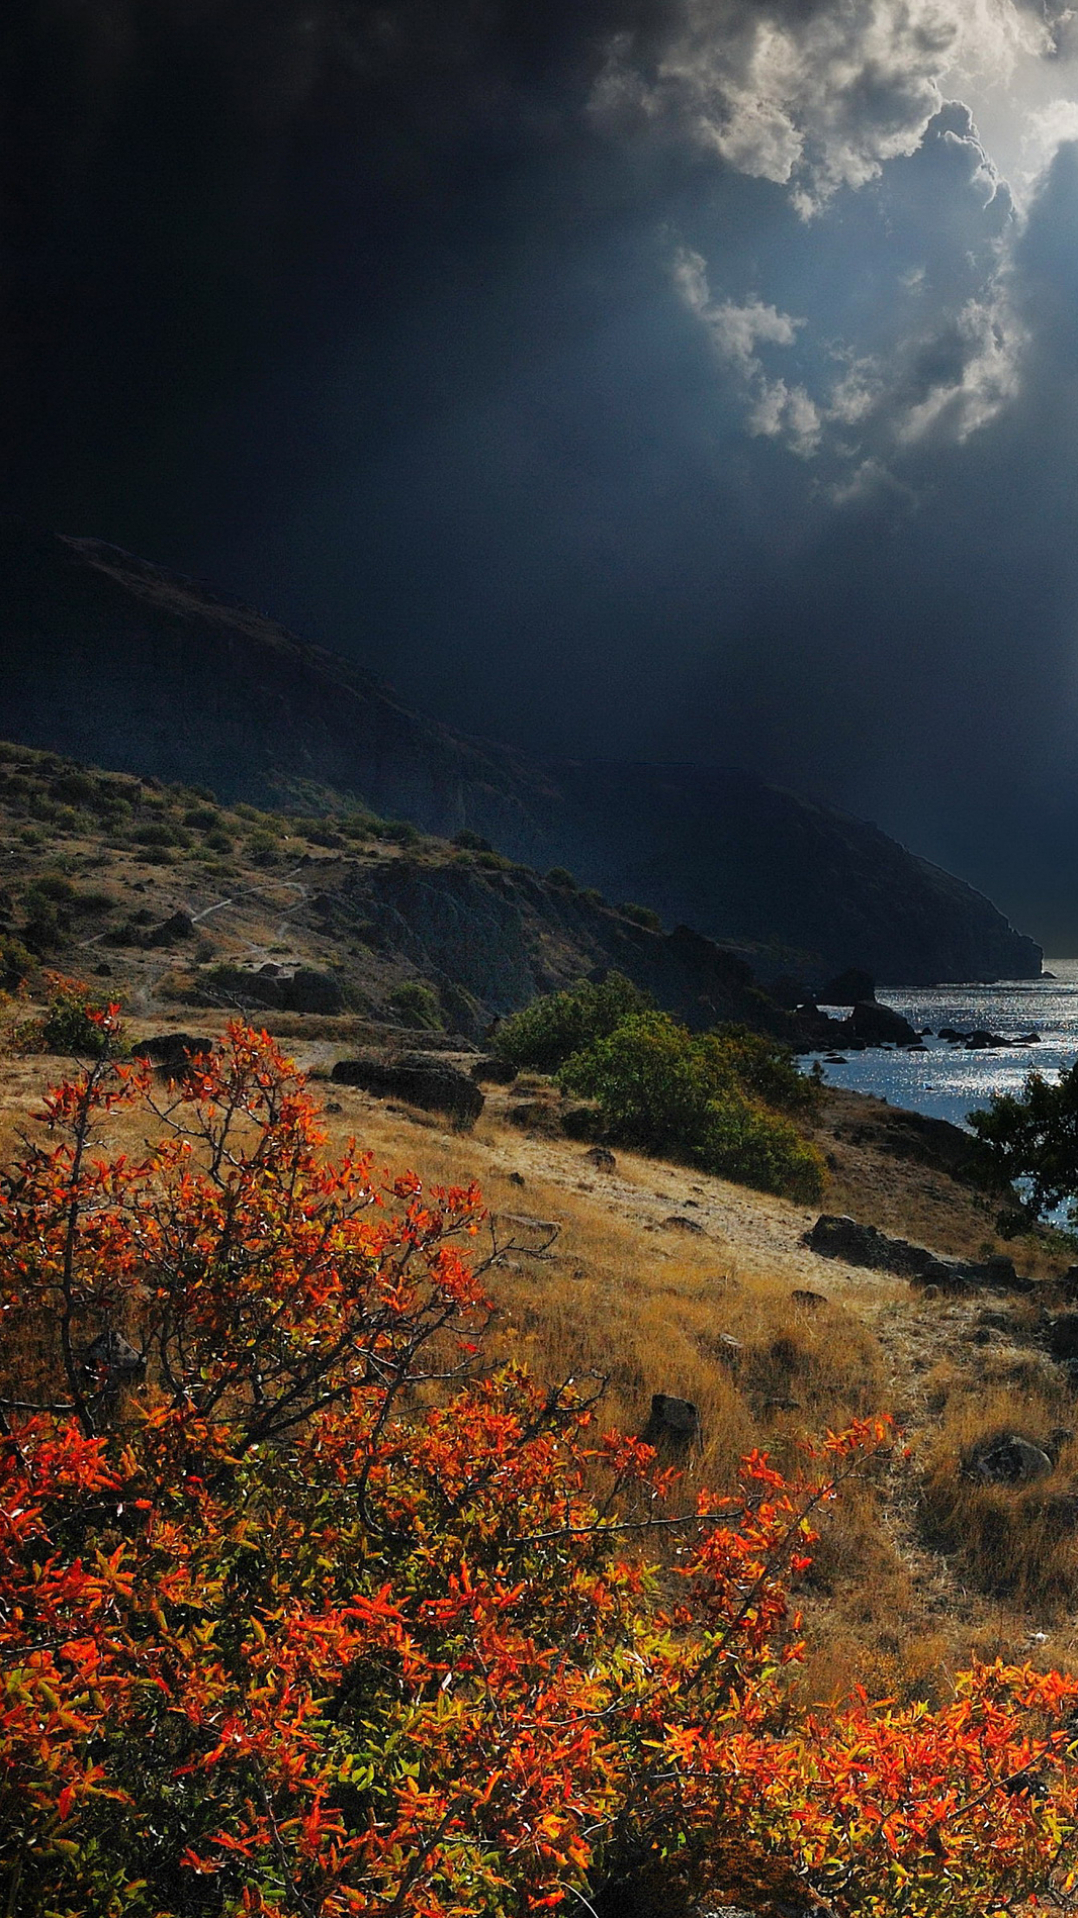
pixel 949 1082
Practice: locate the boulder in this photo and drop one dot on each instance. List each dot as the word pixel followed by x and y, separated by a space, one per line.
pixel 850 988
pixel 1063 1336
pixel 419 1078
pixel 172 1052
pixel 1008 1458
pixel 808 1301
pixel 111 1359
pixel 880 1025
pixel 494 1072
pixel 171 931
pixel 836 1237
pixel 678 1223
pixel 673 1424
pixel 601 1157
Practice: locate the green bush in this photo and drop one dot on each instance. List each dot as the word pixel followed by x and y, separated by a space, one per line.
pixel 402 831
pixel 551 1029
pixel 16 961
pixel 641 916
pixel 558 876
pixel 416 1004
pixel 76 1024
pixel 671 1092
pixel 765 1068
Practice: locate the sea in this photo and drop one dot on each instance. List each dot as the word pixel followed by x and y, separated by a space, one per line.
pixel 945 1080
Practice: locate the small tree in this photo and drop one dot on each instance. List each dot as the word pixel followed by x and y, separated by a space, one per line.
pixel 1030 1143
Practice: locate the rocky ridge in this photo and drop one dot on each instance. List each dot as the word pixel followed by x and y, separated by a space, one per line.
pixel 113 660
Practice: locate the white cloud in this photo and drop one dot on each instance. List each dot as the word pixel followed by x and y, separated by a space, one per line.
pixel 817 95
pixel 774 409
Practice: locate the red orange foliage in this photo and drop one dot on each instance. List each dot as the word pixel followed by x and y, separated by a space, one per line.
pixel 321 1621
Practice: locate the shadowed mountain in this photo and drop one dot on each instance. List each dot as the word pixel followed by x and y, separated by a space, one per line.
pixel 110 659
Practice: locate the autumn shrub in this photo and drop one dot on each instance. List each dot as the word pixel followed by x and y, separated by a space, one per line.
pixel 668 1091
pixel 304 1614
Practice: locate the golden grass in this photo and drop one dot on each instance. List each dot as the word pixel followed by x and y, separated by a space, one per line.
pixel 899 1590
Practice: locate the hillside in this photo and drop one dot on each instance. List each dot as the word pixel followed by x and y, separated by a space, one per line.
pixel 177 900
pixel 110 659
pixel 666 1279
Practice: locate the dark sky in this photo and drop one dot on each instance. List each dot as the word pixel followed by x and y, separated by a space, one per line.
pixel 688 379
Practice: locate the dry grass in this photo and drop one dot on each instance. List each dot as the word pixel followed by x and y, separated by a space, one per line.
pixel 910 1573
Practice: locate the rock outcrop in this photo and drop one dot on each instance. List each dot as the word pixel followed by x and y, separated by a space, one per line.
pixel 836 1237
pixel 417 1078
pixel 116 661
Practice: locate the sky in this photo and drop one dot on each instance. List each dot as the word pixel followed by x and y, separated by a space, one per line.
pixel 665 379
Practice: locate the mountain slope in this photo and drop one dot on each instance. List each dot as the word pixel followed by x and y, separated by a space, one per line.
pixel 110 659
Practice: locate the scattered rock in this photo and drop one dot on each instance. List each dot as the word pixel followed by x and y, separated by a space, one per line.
pixel 420 1079
pixel 836 1237
pixel 601 1156
pixel 1009 1459
pixel 673 1425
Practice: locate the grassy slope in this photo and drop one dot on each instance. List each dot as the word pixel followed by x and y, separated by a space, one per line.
pixel 648 1303
pixel 898 1594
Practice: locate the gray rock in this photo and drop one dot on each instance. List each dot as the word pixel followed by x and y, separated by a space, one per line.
pixel 1063 1336
pixel 602 1157
pixel 835 1236
pixel 111 1359
pixel 878 1024
pixel 1009 1459
pixel 673 1424
pixel 172 1052
pixel 418 1078
pixel 676 1223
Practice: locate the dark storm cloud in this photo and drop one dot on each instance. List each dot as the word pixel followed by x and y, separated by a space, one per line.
pixel 662 376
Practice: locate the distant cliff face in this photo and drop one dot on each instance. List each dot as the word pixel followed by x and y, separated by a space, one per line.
pixel 110 659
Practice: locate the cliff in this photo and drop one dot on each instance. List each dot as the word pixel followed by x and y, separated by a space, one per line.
pixel 110 659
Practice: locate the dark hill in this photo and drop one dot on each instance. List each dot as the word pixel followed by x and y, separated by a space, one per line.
pixel 110 659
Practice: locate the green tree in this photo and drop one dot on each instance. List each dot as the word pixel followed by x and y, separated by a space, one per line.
pixel 551 1029
pixel 1029 1141
pixel 669 1091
